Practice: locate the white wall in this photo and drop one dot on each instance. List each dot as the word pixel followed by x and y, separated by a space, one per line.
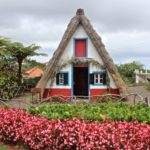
pixel 91 53
pixel 141 78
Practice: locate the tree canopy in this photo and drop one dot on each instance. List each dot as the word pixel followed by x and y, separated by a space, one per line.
pixel 13 54
pixel 127 71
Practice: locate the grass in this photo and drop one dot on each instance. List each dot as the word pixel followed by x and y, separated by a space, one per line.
pixel 136 84
pixel 12 147
pixel 2 147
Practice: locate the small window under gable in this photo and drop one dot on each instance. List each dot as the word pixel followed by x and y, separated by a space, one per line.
pixel 62 78
pixel 80 47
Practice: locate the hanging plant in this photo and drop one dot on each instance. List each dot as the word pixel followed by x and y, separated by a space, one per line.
pixel 79 60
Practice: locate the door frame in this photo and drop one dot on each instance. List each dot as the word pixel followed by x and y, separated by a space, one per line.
pixel 72 82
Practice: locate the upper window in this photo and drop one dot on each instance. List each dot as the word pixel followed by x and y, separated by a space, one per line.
pixel 62 78
pixel 80 47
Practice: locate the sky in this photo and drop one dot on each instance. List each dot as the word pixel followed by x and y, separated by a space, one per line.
pixel 124 25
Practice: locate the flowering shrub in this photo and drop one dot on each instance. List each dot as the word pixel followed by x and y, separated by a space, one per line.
pixel 17 126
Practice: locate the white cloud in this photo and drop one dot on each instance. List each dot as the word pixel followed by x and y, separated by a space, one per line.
pixel 123 24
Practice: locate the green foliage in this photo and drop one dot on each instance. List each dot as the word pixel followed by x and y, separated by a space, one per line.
pixel 18 52
pixel 116 112
pixel 8 79
pixel 29 64
pixel 7 72
pixel 127 71
pixel 31 82
pixel 12 56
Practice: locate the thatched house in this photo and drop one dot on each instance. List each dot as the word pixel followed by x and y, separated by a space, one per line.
pixel 81 65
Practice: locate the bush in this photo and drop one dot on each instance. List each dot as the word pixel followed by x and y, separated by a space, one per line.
pixel 38 133
pixel 127 71
pixel 115 112
pixel 7 83
pixel 31 82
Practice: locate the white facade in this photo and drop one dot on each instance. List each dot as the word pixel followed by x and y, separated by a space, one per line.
pixel 91 53
pixel 141 77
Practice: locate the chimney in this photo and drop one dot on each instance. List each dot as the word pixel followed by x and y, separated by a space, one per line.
pixel 80 11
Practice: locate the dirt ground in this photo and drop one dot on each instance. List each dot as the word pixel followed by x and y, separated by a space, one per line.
pixel 21 102
pixel 140 90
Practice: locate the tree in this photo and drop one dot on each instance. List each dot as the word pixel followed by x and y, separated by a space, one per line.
pixel 18 52
pixel 29 64
pixel 8 68
pixel 3 43
pixel 127 70
pixel 6 62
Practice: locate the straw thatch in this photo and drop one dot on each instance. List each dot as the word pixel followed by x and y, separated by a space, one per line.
pixel 81 19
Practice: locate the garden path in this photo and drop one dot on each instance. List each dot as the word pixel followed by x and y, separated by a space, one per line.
pixel 141 90
pixel 20 102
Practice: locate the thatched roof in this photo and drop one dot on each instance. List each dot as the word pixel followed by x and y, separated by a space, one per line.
pixel 81 19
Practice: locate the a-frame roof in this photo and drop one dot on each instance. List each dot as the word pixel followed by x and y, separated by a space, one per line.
pixel 81 19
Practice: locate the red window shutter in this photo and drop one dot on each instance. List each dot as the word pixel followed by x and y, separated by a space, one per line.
pixel 80 48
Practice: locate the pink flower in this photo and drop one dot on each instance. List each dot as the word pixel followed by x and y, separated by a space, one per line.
pixel 40 133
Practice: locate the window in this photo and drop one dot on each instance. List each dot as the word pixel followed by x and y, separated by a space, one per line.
pixel 62 78
pixel 98 78
pixel 80 47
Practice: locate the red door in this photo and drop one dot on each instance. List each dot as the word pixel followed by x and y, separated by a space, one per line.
pixel 80 48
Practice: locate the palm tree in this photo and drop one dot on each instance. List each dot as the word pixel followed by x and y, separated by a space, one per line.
pixel 5 59
pixel 19 53
pixel 16 51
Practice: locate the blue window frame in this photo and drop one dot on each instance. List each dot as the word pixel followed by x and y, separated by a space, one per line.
pixel 82 38
pixel 98 78
pixel 62 78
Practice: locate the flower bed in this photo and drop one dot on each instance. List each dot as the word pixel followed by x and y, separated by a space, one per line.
pixel 35 132
pixel 115 112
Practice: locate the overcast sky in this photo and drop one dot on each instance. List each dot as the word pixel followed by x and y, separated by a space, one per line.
pixel 124 25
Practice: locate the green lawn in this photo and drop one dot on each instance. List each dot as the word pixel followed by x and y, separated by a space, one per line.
pixel 3 147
